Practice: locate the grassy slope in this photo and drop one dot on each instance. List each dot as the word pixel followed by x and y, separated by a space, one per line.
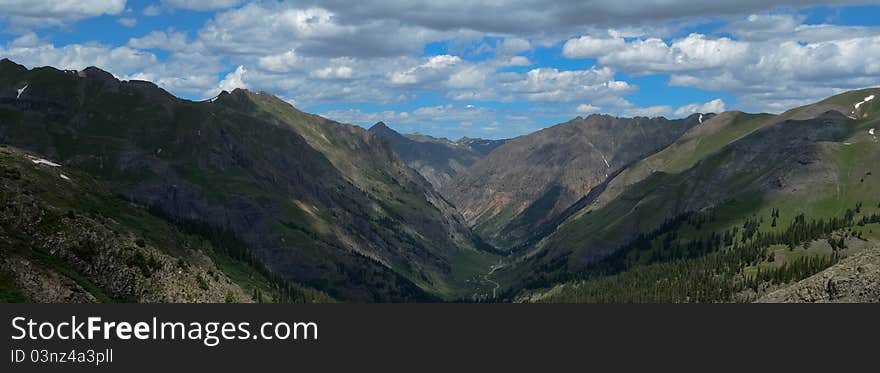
pixel 695 145
pixel 395 190
pixel 84 196
pixel 640 206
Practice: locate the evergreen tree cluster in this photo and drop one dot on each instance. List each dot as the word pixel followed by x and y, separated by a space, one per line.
pixel 663 267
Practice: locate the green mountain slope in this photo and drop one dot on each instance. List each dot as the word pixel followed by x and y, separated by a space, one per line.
pixel 318 202
pixel 67 238
pixel 746 173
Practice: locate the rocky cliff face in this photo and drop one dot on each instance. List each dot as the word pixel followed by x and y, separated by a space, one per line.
pixel 532 179
pixel 855 279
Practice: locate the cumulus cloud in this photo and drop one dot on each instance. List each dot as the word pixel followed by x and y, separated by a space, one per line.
pixel 715 106
pixel 170 41
pixel 201 5
pixel 23 14
pixel 587 108
pixel 513 46
pixel 332 51
pixel 550 84
pixel 281 62
pixel 454 120
pixel 234 80
pixel 517 61
pixel 507 16
pixel 434 69
pixel 333 72
pixel 127 21
pixel 152 10
pixel 258 28
pixel 435 114
pixel 589 47
pixel 653 55
pixel 30 51
pixel 774 63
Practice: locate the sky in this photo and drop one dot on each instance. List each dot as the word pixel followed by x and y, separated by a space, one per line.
pixel 453 68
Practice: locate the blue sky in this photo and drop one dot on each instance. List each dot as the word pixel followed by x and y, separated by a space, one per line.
pixel 460 68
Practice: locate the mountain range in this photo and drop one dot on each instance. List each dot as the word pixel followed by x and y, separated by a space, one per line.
pixel 438 160
pixel 116 190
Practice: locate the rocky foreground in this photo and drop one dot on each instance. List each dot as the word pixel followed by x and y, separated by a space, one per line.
pixel 854 280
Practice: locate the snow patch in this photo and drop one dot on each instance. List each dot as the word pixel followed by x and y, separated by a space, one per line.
pixel 871 132
pixel 45 162
pixel 20 91
pixel 606 161
pixel 869 98
pixel 701 118
pixel 63 176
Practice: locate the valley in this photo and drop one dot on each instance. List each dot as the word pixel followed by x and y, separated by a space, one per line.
pixel 117 191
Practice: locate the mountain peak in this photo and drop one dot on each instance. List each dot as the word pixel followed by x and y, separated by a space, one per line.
pixel 7 65
pixel 95 73
pixel 239 91
pixel 381 127
pixel 382 130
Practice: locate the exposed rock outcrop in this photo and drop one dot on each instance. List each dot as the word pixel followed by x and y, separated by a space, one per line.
pixel 855 279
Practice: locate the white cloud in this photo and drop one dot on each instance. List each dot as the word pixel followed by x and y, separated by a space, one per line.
pixel 765 26
pixel 201 5
pixel 518 61
pixel 588 46
pixel 118 60
pixel 281 62
pixel 435 68
pixel 777 74
pixel 442 61
pixel 332 52
pixel 469 77
pixel 513 46
pixel 170 41
pixel 27 40
pixel 359 117
pixel 186 71
pixel 587 108
pixel 651 111
pixel 330 72
pixel 127 21
pixel 263 28
pixel 232 81
pixel 24 14
pixel 152 10
pixel 775 63
pixel 533 17
pixel 648 56
pixel 549 84
pixel 714 106
pixel 426 114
